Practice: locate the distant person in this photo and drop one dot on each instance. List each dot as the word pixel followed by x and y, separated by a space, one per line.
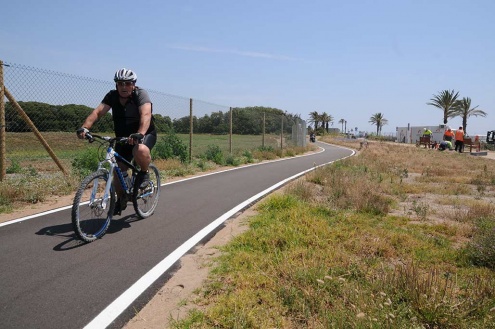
pixel 427 137
pixel 459 140
pixel 132 116
pixel 448 135
pixel 427 132
pixel 445 145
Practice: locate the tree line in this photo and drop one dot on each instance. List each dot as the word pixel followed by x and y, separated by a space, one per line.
pixel 322 121
pixel 448 101
pixel 245 121
pixel 453 106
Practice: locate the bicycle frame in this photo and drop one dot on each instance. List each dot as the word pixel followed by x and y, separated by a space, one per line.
pixel 111 158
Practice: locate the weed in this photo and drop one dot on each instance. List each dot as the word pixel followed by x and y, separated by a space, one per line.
pixel 481 249
pixel 86 161
pixel 421 209
pixel 14 167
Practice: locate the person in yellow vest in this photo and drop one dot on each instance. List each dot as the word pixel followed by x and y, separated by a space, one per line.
pixel 445 145
pixel 427 133
pixel 459 140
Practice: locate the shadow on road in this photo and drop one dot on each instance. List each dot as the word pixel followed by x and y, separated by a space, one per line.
pixel 71 241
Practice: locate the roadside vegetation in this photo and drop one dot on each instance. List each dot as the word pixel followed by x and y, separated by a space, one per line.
pixel 395 237
pixel 33 177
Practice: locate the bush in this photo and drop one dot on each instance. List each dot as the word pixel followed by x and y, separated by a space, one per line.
pixel 14 167
pixel 86 161
pixel 481 249
pixel 170 147
pixel 249 156
pixel 214 153
pixel 233 161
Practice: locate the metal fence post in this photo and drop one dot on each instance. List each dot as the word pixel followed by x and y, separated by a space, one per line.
pixel 3 169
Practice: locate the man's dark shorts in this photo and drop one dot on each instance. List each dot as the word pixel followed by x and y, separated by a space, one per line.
pixel 125 150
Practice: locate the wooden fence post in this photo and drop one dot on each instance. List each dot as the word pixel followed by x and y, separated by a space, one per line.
pixel 3 169
pixel 191 125
pixel 230 124
pixel 33 128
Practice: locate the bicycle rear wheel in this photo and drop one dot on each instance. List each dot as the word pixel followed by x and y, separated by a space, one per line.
pixel 90 217
pixel 146 198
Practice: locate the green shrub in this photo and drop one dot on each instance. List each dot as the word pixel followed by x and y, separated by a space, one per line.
pixel 14 168
pixel 249 156
pixel 203 164
pixel 86 161
pixel 266 149
pixel 170 147
pixel 231 160
pixel 215 154
pixel 481 249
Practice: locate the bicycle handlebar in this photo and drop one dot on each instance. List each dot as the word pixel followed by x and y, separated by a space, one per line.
pixel 91 138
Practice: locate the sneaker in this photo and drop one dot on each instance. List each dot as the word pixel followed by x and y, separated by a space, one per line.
pixel 143 178
pixel 120 206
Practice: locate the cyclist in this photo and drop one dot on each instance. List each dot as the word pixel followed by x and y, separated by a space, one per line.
pixel 132 116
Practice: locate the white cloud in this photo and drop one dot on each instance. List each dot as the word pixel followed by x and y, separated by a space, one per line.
pixel 235 52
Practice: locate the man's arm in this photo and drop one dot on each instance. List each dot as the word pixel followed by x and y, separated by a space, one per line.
pixel 145 118
pixel 97 113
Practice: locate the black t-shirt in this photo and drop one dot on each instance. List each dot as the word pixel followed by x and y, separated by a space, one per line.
pixel 126 117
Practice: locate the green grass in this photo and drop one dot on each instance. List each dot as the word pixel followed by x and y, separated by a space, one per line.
pixel 25 146
pixel 32 175
pixel 239 142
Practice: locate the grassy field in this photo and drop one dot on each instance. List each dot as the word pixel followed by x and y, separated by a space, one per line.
pixel 396 237
pixel 33 177
pixel 27 150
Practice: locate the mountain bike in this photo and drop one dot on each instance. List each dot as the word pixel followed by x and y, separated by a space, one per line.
pixel 95 199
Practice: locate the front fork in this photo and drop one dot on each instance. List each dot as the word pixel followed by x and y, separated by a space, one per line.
pixel 108 187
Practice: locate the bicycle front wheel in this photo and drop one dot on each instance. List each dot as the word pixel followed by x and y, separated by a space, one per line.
pixel 145 197
pixel 91 209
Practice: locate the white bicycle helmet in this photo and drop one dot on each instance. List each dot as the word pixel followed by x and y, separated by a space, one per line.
pixel 125 75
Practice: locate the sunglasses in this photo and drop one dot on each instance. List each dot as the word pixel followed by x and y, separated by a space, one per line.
pixel 124 83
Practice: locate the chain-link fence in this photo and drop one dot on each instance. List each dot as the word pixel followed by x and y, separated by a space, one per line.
pixel 53 105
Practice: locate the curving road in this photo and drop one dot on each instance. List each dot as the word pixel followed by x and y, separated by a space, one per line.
pixel 50 280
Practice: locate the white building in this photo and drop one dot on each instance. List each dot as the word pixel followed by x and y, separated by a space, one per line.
pixel 411 134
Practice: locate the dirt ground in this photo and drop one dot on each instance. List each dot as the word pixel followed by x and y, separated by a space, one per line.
pixel 173 299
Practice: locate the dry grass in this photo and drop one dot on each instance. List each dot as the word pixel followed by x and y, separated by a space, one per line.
pixel 396 237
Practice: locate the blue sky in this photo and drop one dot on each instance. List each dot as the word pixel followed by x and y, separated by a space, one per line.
pixel 351 59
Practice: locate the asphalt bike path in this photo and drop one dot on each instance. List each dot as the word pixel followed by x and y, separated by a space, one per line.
pixel 49 279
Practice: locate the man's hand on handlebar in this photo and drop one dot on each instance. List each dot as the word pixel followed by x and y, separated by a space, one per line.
pixel 81 132
pixel 136 138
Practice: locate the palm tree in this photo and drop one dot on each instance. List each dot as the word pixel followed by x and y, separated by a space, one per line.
pixel 325 119
pixel 445 100
pixel 462 108
pixel 315 118
pixel 379 120
pixel 341 121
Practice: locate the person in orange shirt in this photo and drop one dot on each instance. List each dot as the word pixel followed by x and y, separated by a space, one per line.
pixel 448 135
pixel 459 139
